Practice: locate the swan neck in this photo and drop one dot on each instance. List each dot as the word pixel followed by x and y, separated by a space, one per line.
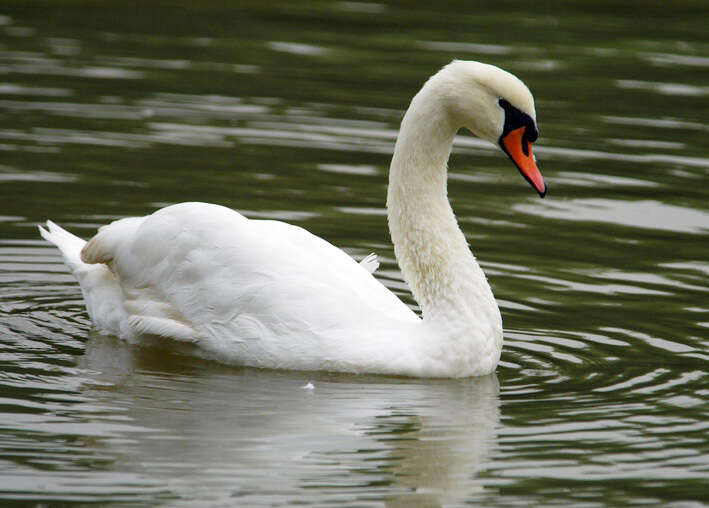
pixel 419 163
pixel 432 251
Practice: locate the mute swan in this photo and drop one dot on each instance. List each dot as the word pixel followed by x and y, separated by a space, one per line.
pixel 268 294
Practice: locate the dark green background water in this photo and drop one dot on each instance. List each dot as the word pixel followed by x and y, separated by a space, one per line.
pixel 289 110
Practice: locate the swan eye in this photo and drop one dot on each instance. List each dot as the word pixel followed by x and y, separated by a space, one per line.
pixel 514 119
pixel 530 136
pixel 531 133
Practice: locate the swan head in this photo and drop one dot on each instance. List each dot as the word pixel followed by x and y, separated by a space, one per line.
pixel 494 105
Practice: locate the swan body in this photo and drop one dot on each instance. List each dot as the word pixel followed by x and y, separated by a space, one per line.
pixel 268 294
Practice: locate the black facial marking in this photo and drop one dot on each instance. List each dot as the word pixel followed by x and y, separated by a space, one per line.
pixel 514 119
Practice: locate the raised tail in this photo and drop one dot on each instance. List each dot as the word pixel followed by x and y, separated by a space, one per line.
pixel 69 245
pixel 102 293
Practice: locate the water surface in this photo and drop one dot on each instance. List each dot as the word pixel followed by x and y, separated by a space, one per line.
pixel 290 112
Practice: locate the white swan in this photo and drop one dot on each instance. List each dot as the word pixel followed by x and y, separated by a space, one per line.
pixel 268 294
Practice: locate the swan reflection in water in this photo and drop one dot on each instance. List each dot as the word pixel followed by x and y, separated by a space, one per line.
pixel 210 432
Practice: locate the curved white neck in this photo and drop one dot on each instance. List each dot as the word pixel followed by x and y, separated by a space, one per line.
pixel 431 249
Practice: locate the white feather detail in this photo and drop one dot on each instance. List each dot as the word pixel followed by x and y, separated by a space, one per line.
pixel 162 327
pixel 370 263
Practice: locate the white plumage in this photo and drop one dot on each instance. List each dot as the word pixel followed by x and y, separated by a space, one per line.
pixel 268 294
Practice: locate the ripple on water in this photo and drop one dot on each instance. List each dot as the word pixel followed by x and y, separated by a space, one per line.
pixel 649 214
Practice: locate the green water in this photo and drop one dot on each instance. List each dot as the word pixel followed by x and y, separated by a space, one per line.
pixel 289 110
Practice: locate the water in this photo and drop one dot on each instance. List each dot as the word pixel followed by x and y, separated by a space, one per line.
pixel 290 112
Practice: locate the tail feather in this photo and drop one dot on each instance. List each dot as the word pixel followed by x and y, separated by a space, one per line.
pixel 69 245
pixel 102 293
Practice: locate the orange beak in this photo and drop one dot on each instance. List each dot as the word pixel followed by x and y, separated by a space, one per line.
pixel 519 149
